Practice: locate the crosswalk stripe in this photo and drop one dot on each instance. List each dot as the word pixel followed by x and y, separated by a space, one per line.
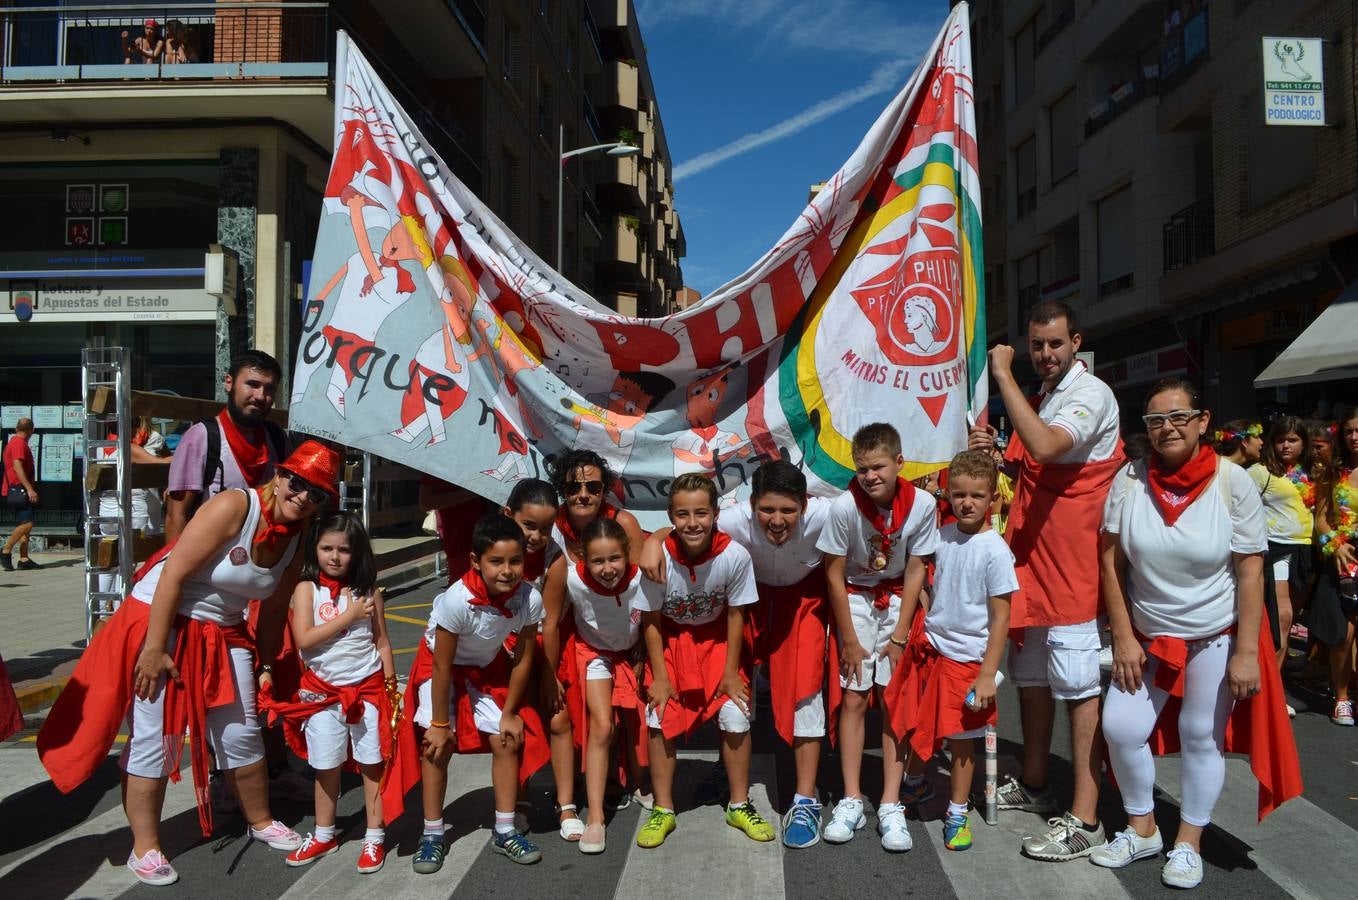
pixel 705 857
pixel 1293 846
pixel 337 877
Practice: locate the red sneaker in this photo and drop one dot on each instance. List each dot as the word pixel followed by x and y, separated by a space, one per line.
pixel 372 857
pixel 311 850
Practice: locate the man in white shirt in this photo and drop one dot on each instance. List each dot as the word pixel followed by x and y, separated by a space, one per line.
pixel 1066 450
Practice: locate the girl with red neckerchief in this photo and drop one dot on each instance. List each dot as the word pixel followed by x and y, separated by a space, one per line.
pixel 584 481
pixel 176 657
pixel 595 681
pixel 1333 611
pixel 1182 557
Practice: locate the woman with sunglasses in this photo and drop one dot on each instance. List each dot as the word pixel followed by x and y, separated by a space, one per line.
pixel 176 657
pixel 1182 556
pixel 583 478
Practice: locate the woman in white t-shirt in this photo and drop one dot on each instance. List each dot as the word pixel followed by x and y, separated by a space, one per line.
pixel 1182 551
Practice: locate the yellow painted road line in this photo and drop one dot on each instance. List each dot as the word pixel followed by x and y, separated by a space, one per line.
pixel 407 619
pixel 405 650
pixel 410 606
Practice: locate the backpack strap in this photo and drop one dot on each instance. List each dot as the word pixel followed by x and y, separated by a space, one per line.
pixel 278 441
pixel 212 457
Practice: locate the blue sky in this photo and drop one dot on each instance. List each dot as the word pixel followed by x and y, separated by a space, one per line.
pixel 762 98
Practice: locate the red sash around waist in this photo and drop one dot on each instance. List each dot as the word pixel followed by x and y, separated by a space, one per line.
pixel 695 660
pixel 926 699
pixel 576 656
pixel 788 629
pixel 351 698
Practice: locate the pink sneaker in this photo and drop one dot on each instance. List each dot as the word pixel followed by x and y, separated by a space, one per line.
pixel 311 850
pixel 278 836
pixel 153 868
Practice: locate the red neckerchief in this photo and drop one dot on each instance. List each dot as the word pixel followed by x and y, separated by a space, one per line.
pixel 707 434
pixel 404 283
pixel 900 505
pixel 251 453
pixel 1175 491
pixel 333 585
pixel 615 592
pixel 563 522
pixel 481 595
pixel 720 540
pixel 272 530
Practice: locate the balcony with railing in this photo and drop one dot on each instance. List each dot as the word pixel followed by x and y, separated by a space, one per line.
pixel 1121 98
pixel 1190 234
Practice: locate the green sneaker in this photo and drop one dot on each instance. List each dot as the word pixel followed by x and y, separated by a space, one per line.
pixel 957 832
pixel 658 826
pixel 747 819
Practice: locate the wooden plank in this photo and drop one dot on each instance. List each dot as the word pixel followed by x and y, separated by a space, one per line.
pixel 104 476
pixel 143 546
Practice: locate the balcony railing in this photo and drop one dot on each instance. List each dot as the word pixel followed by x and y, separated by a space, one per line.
pixel 1184 49
pixel 205 40
pixel 1119 100
pixel 1190 234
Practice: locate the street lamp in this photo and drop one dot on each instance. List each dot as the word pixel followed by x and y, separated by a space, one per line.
pixel 617 148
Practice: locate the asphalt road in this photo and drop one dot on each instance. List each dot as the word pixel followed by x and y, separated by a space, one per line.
pixel 56 846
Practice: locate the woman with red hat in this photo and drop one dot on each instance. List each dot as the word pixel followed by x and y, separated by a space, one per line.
pixel 176 657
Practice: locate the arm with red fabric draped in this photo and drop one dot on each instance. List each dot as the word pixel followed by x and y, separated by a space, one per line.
pixel 554 605
pixel 911 588
pixel 659 692
pixel 1044 443
pixel 438 742
pixel 732 682
pixel 273 616
pixel 984 686
pixel 1129 659
pixel 1242 671
pixel 511 723
pixel 207 533
pixel 851 652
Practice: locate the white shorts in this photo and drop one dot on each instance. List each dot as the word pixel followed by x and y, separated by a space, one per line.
pixel 328 737
pixel 485 711
pixel 600 668
pixel 874 628
pixel 232 730
pixel 729 718
pixel 808 718
pixel 1064 658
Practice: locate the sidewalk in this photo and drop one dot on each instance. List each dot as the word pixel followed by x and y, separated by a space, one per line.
pixel 44 619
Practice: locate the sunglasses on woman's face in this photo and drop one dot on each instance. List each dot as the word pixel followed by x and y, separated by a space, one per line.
pixel 594 487
pixel 299 485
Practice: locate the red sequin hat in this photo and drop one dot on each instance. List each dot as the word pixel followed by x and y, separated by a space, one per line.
pixel 316 463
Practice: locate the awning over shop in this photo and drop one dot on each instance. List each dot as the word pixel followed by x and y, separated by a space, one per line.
pixel 1326 351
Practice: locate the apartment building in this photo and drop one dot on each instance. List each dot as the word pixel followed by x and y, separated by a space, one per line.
pixel 1126 168
pixel 117 177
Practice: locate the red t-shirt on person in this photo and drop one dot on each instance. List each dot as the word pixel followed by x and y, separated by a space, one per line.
pixel 17 449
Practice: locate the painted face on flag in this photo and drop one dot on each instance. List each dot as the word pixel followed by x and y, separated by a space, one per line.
pixel 704 398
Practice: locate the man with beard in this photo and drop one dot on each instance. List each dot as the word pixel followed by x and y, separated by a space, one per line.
pixel 249 447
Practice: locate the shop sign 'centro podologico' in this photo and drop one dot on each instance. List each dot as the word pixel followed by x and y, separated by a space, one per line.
pixel 100 299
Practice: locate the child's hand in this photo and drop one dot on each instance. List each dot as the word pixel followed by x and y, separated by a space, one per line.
pixel 660 694
pixel 360 608
pixel 851 656
pixel 438 744
pixel 511 730
pixel 733 686
pixel 893 653
pixel 984 687
pixel 652 562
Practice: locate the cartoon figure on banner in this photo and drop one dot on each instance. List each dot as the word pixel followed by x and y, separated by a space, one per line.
pixel 705 445
pixel 439 367
pixel 516 360
pixel 631 397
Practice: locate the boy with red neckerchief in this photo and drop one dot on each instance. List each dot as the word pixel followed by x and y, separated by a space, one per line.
pixel 465 692
pixel 693 624
pixel 875 542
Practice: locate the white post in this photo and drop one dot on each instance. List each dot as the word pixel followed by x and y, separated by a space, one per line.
pixel 560 189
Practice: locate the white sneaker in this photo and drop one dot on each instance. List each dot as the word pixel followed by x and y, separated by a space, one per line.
pixel 1184 868
pixel 277 835
pixel 846 818
pixel 891 826
pixel 153 869
pixel 1065 839
pixel 1125 848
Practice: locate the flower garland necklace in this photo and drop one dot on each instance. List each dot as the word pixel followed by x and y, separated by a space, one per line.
pixel 1305 487
pixel 1346 528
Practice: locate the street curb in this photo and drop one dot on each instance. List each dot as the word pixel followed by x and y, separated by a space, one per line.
pixel 39 695
pixel 404 573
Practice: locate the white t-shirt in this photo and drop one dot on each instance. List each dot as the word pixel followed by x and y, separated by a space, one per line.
pixel 348 657
pixel 969 569
pixel 481 630
pixel 726 579
pixel 1085 408
pixel 1181 580
pixel 603 621
pixel 848 534
pixel 787 563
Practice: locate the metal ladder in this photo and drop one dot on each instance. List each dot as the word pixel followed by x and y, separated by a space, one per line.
pixel 108 368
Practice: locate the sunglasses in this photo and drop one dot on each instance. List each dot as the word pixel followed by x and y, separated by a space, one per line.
pixel 594 487
pixel 299 485
pixel 1176 417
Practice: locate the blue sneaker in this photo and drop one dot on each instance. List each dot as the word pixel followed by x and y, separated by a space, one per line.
pixel 920 793
pixel 801 825
pixel 517 847
pixel 429 854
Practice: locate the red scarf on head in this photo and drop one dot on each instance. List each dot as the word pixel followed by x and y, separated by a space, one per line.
pixel 616 591
pixel 251 453
pixel 900 505
pixel 1175 491
pixel 563 522
pixel 720 540
pixel 333 585
pixel 272 530
pixel 481 595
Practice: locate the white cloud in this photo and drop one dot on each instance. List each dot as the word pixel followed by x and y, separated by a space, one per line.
pixel 888 77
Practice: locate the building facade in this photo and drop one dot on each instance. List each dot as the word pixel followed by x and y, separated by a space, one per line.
pixel 118 175
pixel 1126 170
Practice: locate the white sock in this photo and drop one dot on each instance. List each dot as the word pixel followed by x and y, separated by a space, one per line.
pixel 957 809
pixel 504 822
pixel 325 833
pixel 375 835
pixel 434 827
pixel 802 798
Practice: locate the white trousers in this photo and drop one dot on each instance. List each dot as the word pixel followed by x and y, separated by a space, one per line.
pixel 1128 720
